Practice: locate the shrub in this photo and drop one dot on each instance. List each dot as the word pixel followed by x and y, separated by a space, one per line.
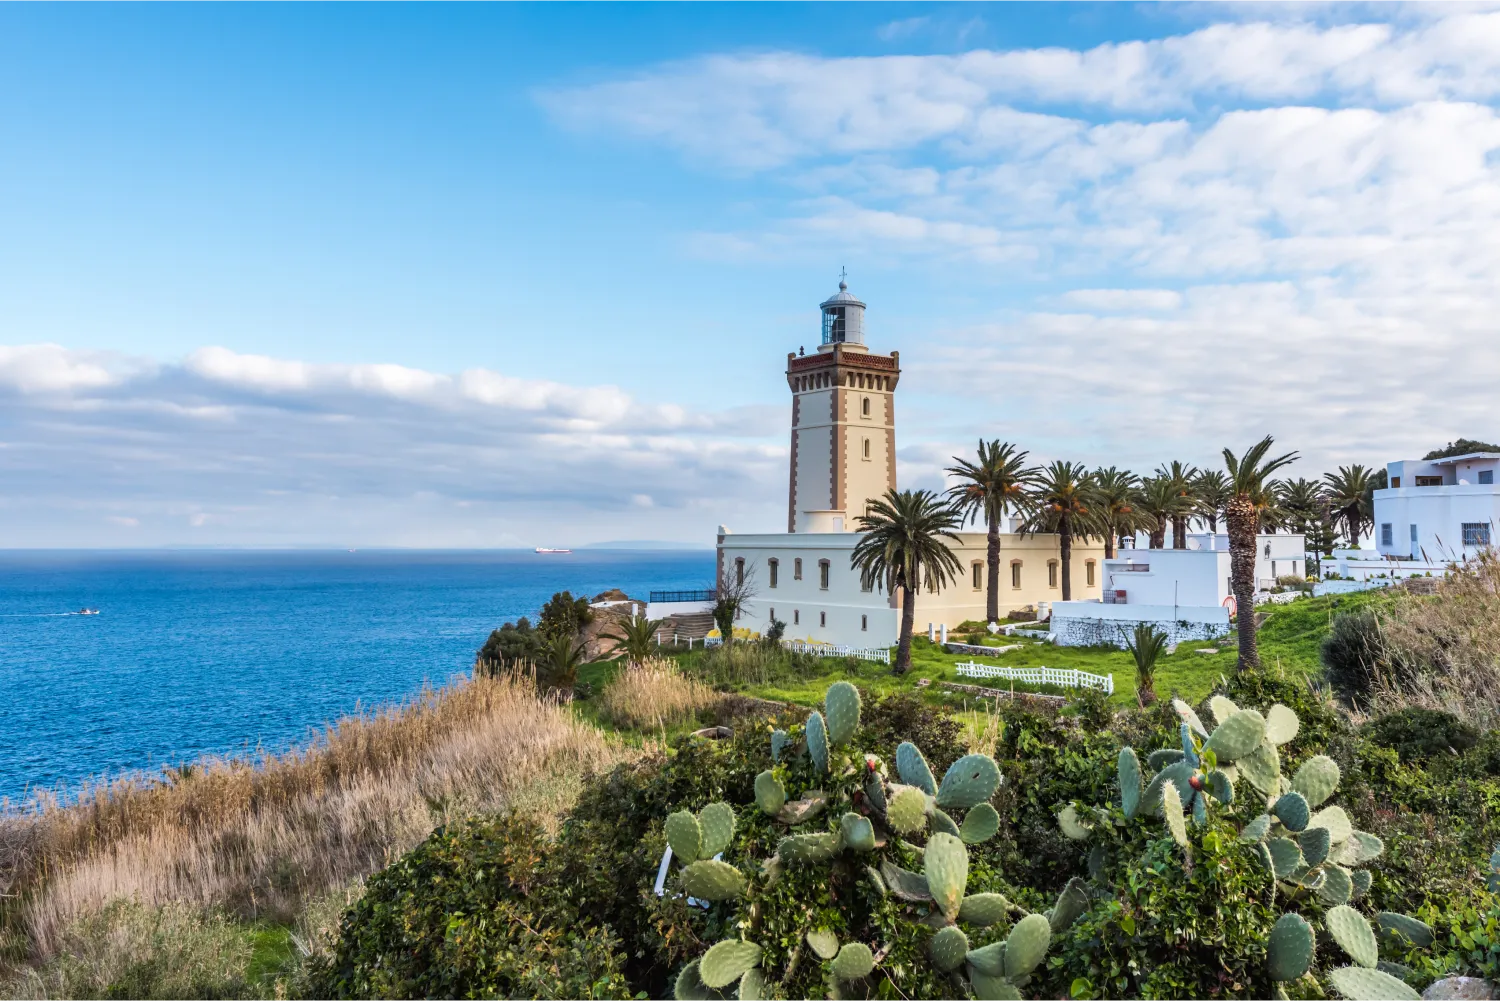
pixel 510 646
pixel 654 695
pixel 1352 655
pixel 1415 733
pixel 740 664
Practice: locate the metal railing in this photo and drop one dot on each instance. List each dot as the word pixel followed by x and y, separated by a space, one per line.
pixel 708 594
pixel 1062 677
pixel 879 654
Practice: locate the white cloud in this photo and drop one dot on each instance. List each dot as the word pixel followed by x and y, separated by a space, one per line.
pixel 1123 300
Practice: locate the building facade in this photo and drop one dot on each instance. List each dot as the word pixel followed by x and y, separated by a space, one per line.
pixel 1438 511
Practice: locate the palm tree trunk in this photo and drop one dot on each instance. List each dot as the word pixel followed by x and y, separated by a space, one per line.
pixel 1109 543
pixel 1240 515
pixel 1158 536
pixel 992 558
pixel 1179 532
pixel 1065 551
pixel 908 619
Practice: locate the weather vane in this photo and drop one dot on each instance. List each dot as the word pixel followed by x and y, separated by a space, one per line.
pixel 843 273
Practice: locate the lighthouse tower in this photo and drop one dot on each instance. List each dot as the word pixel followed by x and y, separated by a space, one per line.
pixel 843 422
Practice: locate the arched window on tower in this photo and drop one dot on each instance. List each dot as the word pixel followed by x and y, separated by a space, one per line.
pixel 864 407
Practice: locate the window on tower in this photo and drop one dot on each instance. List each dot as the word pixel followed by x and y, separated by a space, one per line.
pixel 833 325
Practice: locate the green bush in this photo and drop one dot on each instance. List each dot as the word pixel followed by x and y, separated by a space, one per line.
pixel 1415 733
pixel 1353 654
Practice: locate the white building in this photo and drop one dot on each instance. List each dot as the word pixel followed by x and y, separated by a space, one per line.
pixel 1438 511
pixel 843 456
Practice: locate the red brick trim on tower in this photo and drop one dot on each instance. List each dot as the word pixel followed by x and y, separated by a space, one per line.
pixel 890 438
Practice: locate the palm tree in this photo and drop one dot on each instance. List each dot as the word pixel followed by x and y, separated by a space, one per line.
pixel 987 489
pixel 1211 491
pixel 1145 647
pixel 1181 476
pixel 1061 503
pixel 636 638
pixel 1113 493
pixel 1302 502
pixel 1160 501
pixel 903 548
pixel 1250 479
pixel 560 660
pixel 1347 499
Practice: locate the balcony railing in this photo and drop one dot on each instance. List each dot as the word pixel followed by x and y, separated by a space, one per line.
pixel 704 595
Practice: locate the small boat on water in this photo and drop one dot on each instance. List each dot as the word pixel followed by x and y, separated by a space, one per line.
pixel 551 552
pixel 88 611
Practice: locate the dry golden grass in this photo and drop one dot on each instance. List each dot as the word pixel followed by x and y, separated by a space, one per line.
pixel 654 695
pixel 259 839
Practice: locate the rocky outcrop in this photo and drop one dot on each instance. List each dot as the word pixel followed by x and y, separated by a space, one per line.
pixel 1460 989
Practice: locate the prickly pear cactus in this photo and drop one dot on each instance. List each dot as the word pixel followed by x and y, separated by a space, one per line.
pixel 842 704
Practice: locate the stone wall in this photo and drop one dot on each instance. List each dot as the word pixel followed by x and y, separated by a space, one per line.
pixel 1080 631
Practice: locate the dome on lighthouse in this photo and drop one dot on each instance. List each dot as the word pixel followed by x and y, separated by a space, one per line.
pixel 843 321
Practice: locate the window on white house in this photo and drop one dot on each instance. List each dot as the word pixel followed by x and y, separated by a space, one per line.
pixel 1268 550
pixel 1385 534
pixel 867 449
pixel 822 619
pixel 797 568
pixel 823 568
pixel 864 623
pixel 772 566
pixel 739 571
pixel 864 407
pixel 866 585
pixel 796 616
pixel 978 572
pixel 1476 533
pixel 1429 481
pixel 1486 476
pixel 1088 568
pixel 773 615
pixel 1413 536
pixel 1015 574
pixel 1051 573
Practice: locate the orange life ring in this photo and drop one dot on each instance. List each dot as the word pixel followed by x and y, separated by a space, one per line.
pixel 1232 605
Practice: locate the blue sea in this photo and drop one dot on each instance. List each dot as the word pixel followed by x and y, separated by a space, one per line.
pixel 230 652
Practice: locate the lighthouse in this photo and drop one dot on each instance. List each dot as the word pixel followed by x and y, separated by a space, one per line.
pixel 843 422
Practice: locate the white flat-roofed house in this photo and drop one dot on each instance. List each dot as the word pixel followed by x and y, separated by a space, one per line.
pixel 1182 592
pixel 1437 511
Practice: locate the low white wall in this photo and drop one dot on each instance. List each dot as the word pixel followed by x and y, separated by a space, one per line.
pixel 1323 587
pixel 1088 623
pixel 661 609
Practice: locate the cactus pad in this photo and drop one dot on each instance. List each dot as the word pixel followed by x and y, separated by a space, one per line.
pixel 842 705
pixel 1281 724
pixel 1171 808
pixel 904 885
pixel 1185 712
pixel 1337 886
pixel 1257 829
pixel 946 865
pixel 1222 708
pixel 817 741
pixel 1493 880
pixel 1336 820
pixel 1163 757
pixel 983 909
pixel 1072 825
pixel 708 879
pixel 825 944
pixel 942 822
pixel 989 959
pixel 752 985
pixel 1290 947
pixel 1220 787
pixel 1362 880
pixel 689 985
pixel 907 811
pixel 1291 809
pixel 1317 779
pixel 803 849
pixel 912 768
pixel 1262 768
pixel 980 824
pixel 1189 746
pixel 987 988
pixel 716 821
pixel 1418 933
pixel 800 811
pixel 1354 934
pixel 857 832
pixel 1314 843
pixel 1360 984
pixel 853 961
pixel 685 836
pixel 1128 767
pixel 948 948
pixel 1361 847
pixel 969 781
pixel 1027 946
pixel 1073 901
pixel 1180 775
pixel 779 740
pixel 726 961
pixel 875 791
pixel 770 794
pixel 1238 735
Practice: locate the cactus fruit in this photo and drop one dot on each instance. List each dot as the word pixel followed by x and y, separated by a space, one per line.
pixel 803 849
pixel 983 909
pixel 946 865
pixel 1281 724
pixel 948 948
pixel 779 740
pixel 1314 843
pixel 1128 767
pixel 716 822
pixel 853 961
pixel 1337 886
pixel 857 832
pixel 770 794
pixel 842 705
pixel 1237 736
pixel 708 879
pixel 1290 947
pixel 1317 779
pixel 912 768
pixel 1291 809
pixel 989 959
pixel 817 741
pixel 825 944
pixel 1185 712
pixel 980 824
pixel 1360 984
pixel 1163 757
pixel 1072 825
pixel 942 822
pixel 1262 768
pixel 1416 933
pixel 1027 946
pixel 752 985
pixel 1171 808
pixel 1222 708
pixel 1220 787
pixel 904 885
pixel 689 986
pixel 907 811
pixel 1336 820
pixel 969 781
pixel 726 961
pixel 1257 829
pixel 1354 934
pixel 685 836
pixel 1073 901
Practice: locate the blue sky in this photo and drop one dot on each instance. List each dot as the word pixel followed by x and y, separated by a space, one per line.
pixel 474 275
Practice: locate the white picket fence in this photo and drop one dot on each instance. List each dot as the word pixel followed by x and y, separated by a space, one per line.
pixel 1069 678
pixel 880 654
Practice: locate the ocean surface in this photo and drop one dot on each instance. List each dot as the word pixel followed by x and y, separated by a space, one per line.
pixel 229 652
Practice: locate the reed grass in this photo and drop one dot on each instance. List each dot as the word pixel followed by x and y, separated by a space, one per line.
pixel 653 695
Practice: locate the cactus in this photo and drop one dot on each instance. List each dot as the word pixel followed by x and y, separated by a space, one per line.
pixel 1160 759
pixel 988 960
pixel 1362 880
pixel 946 865
pixel 841 702
pixel 907 812
pixel 1493 879
pixel 708 879
pixel 1281 724
pixel 726 961
pixel 802 810
pixel 983 909
pixel 1072 825
pixel 1262 768
pixel 689 985
pixel 779 740
pixel 1188 716
pixel 969 781
pixel 1337 886
pixel 905 885
pixel 1072 902
pixel 1336 821
pixel 857 832
pixel 1027 946
pixel 853 961
pixel 1358 983
pixel 1290 947
pixel 1128 767
pixel 1353 934
pixel 912 768
pixel 1398 926
pixel 942 822
pixel 817 741
pixel 1291 809
pixel 1314 842
pixel 875 785
pixel 1171 808
pixel 825 944
pixel 948 948
pixel 804 849
pixel 1317 779
pixel 1256 830
pixel 716 823
pixel 1222 708
pixel 980 824
pixel 685 836
pixel 1238 735
pixel 1220 786
pixel 770 794
pixel 752 985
